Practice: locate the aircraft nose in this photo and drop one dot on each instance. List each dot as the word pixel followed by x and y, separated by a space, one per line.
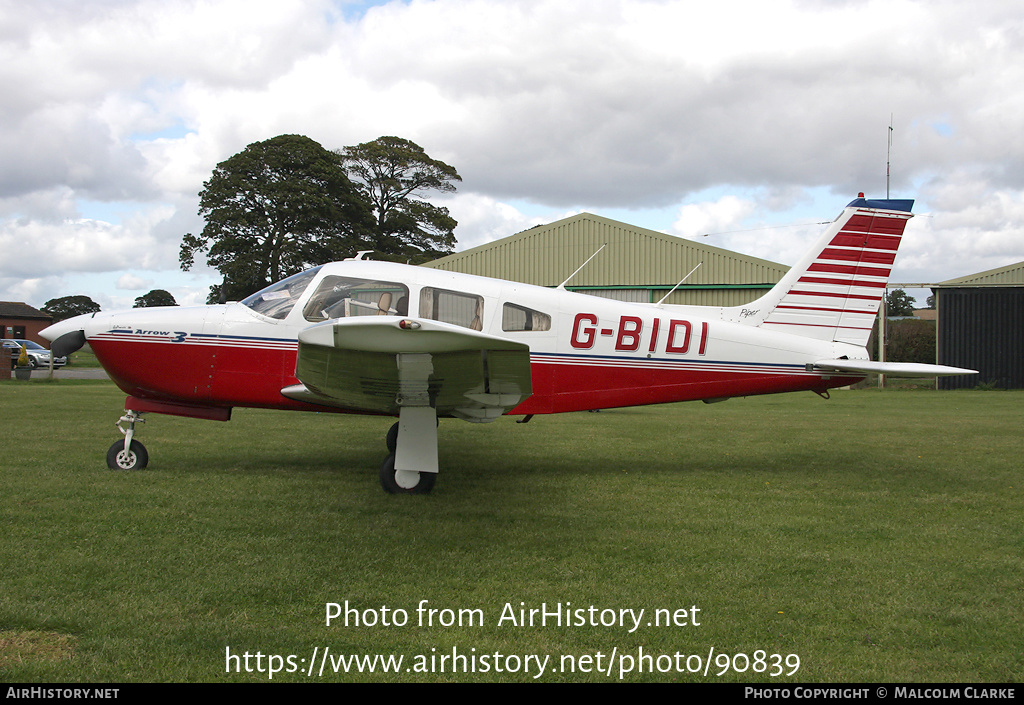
pixel 66 336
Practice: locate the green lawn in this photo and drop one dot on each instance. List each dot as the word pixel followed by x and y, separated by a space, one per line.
pixel 875 537
pixel 83 359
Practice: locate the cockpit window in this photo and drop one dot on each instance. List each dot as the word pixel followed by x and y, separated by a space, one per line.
pixel 341 297
pixel 277 300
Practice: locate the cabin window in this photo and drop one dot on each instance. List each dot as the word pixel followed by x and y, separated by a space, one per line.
pixel 456 307
pixel 520 318
pixel 277 300
pixel 344 297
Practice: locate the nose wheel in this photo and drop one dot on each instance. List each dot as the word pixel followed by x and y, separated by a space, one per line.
pixel 134 457
pixel 128 454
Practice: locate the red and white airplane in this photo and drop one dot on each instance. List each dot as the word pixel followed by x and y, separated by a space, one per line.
pixel 417 343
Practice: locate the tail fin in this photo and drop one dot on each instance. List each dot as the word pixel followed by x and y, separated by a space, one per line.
pixel 834 292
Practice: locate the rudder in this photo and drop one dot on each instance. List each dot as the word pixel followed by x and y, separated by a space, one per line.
pixel 834 292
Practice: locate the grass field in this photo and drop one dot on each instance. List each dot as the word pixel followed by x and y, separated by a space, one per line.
pixel 876 536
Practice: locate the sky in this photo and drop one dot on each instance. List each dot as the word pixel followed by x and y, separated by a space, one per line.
pixel 740 123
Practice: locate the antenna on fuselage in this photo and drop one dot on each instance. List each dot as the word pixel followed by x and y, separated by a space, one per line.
pixel 679 284
pixel 359 256
pixel 562 285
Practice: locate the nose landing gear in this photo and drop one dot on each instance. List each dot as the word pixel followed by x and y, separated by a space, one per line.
pixel 128 454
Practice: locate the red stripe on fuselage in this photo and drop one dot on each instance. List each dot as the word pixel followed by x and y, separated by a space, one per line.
pixel 216 375
pixel 572 386
pixel 223 376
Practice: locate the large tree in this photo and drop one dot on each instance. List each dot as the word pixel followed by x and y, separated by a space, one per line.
pixel 899 303
pixel 157 297
pixel 394 175
pixel 276 208
pixel 69 307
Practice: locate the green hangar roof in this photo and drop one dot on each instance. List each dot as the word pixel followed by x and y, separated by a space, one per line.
pixel 1010 275
pixel 636 265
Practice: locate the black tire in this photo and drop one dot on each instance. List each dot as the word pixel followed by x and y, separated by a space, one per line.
pixel 391 440
pixel 136 458
pixel 391 486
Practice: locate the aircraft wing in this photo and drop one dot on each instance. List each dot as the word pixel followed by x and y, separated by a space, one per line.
pixel 382 363
pixel 893 369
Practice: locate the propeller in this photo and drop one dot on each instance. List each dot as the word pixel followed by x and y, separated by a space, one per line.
pixel 68 343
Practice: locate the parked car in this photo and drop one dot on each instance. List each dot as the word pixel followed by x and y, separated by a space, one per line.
pixel 38 356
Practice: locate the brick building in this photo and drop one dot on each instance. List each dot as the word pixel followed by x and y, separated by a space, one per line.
pixel 19 320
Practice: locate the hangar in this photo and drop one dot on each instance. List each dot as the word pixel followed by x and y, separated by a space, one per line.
pixel 981 327
pixel 636 265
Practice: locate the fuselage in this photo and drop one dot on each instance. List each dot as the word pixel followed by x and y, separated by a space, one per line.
pixel 585 352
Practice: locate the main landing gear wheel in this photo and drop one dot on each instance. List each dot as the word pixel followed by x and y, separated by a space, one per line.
pixel 404 482
pixel 135 458
pixel 391 440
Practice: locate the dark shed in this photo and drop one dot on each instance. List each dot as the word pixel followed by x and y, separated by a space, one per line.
pixel 981 326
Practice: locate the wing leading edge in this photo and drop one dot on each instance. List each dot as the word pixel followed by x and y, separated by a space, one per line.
pixel 382 364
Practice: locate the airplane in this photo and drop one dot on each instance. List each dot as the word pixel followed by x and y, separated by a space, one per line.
pixel 370 337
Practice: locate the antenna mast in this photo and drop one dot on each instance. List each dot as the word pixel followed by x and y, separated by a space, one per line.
pixel 888 153
pixel 562 285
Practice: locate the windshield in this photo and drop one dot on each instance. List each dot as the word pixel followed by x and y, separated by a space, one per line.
pixel 277 300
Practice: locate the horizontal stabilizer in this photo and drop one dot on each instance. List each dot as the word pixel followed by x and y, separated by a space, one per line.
pixel 893 369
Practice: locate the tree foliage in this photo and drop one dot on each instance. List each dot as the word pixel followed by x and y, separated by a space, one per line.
pixel 276 208
pixel 69 307
pixel 910 341
pixel 394 175
pixel 899 303
pixel 157 297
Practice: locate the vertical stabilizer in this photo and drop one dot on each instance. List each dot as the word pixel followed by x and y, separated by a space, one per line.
pixel 834 292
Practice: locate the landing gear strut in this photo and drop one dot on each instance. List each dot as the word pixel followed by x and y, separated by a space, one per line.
pixel 408 481
pixel 411 466
pixel 128 454
pixel 404 481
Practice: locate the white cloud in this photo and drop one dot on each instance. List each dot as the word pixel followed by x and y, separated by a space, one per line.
pixel 483 219
pixel 701 219
pixel 131 282
pixel 606 104
pixel 970 238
